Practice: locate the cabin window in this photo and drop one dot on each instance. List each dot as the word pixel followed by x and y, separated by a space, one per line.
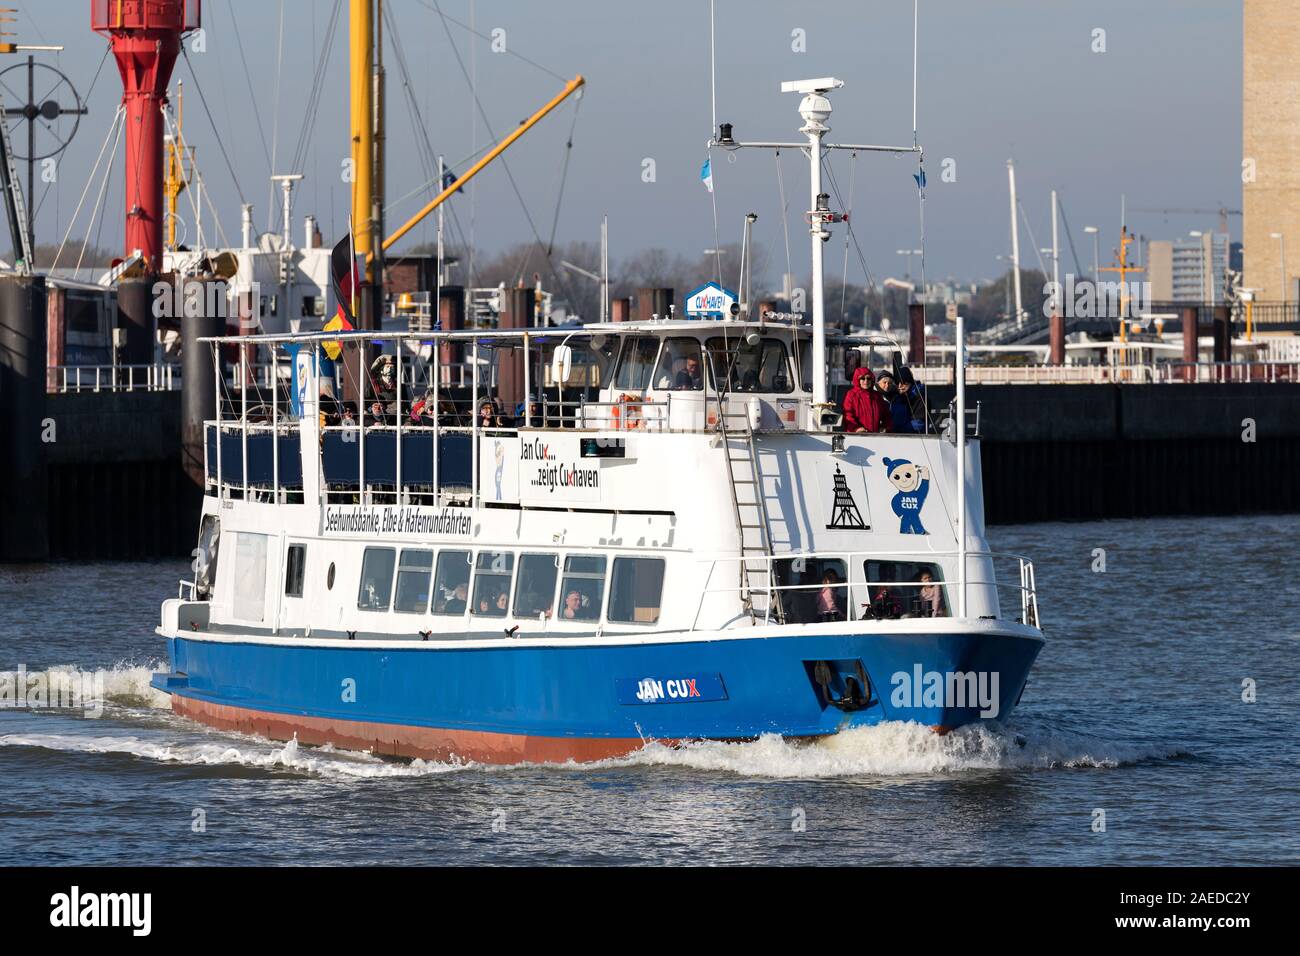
pixel 813 590
pixel 636 364
pixel 680 366
pixel 635 590
pixel 535 592
pixel 451 583
pixel 376 579
pixel 414 572
pixel 903 589
pixel 492 573
pixel 583 589
pixel 761 367
pixel 295 567
pixel 250 576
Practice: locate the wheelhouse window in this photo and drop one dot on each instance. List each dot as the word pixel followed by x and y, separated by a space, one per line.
pixel 492 573
pixel 635 590
pixel 681 366
pixel 813 590
pixel 761 367
pixel 583 588
pixel 903 589
pixel 295 568
pixel 451 583
pixel 636 363
pixel 376 579
pixel 535 592
pixel 414 572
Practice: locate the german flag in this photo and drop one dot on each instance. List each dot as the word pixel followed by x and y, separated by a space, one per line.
pixel 343 270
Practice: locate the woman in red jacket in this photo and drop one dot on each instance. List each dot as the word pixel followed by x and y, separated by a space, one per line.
pixel 865 409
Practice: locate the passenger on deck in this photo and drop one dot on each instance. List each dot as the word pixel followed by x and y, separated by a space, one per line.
pixel 865 410
pixel 489 415
pixel 456 603
pixel 382 406
pixel 931 595
pixel 908 406
pixel 886 387
pixel 884 602
pixel 534 414
pixel 331 410
pixel 829 607
pixel 573 610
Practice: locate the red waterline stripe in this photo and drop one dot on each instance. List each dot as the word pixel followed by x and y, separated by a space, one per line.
pixel 399 740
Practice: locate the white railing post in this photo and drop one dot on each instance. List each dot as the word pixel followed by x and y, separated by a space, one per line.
pixel 397 479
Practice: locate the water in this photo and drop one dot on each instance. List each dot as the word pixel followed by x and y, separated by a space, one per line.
pixel 1135 708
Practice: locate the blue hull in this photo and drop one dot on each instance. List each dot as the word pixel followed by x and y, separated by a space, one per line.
pixel 722 689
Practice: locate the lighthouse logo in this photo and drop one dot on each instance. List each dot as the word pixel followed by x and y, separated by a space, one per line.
pixel 844 510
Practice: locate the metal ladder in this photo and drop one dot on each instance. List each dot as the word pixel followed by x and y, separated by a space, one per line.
pixel 749 508
pixel 17 208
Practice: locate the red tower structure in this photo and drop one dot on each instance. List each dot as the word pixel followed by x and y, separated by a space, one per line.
pixel 146 38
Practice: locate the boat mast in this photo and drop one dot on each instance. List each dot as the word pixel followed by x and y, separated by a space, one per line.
pixel 815 109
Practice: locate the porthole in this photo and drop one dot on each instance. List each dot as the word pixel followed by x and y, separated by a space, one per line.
pixel 329 577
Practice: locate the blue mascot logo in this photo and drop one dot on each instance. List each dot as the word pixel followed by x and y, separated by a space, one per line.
pixel 913 484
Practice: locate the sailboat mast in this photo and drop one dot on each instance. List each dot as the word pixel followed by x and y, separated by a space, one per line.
pixel 1015 242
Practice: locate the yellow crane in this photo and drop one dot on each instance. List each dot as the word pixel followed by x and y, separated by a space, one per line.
pixel 176 170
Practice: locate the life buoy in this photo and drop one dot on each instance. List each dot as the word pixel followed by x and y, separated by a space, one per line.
pixel 626 413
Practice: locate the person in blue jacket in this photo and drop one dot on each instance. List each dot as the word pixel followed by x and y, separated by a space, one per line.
pixel 908 406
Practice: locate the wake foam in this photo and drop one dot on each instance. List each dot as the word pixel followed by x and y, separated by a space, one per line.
pixel 894 749
pixel 249 752
pixel 891 749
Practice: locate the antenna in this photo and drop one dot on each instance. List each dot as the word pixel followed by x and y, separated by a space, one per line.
pixel 713 73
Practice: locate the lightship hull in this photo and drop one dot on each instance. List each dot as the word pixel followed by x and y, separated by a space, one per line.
pixel 509 704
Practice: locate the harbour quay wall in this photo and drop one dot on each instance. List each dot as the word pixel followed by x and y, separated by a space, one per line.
pixel 116 487
pixel 1084 452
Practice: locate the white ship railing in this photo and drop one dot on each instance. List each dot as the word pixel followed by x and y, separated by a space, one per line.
pixel 1157 373
pixel 155 377
pixel 1026 588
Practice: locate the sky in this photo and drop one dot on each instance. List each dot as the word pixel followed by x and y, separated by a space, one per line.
pixel 1154 116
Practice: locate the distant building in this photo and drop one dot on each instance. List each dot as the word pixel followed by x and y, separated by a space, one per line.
pixel 1270 139
pixel 1188 270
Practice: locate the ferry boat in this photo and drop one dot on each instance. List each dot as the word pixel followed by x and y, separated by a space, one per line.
pixel 674 540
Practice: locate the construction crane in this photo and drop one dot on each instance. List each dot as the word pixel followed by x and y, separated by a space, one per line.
pixel 177 156
pixel 1223 212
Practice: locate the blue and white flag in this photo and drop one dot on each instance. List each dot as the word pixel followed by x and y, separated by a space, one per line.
pixel 706 174
pixel 302 358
